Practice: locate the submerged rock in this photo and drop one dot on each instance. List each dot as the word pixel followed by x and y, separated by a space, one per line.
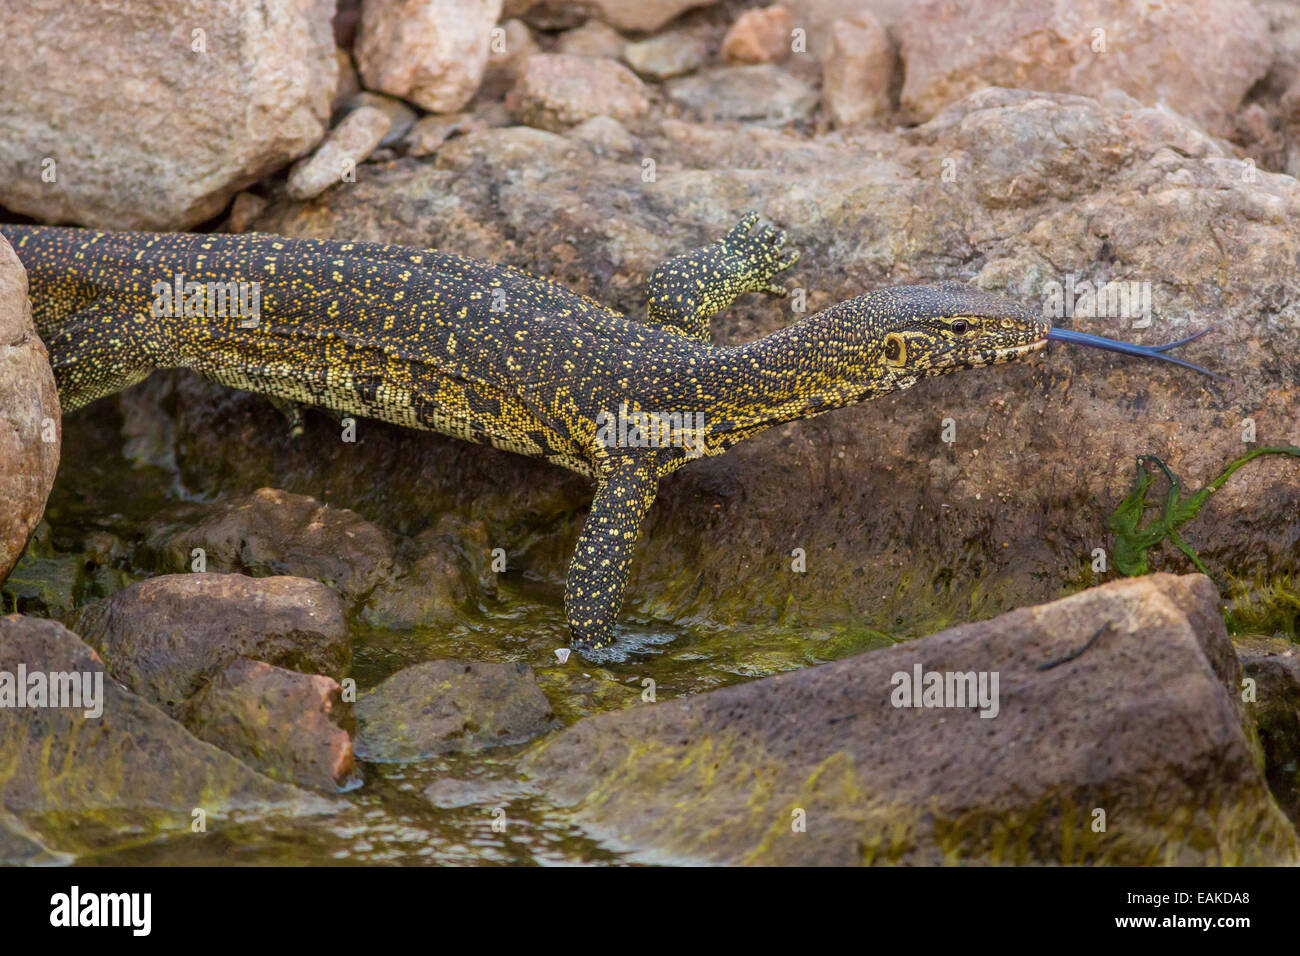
pixel 447 706
pixel 164 638
pixel 30 426
pixel 129 757
pixel 1106 727
pixel 292 727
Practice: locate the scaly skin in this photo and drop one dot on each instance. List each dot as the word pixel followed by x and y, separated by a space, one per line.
pixel 493 355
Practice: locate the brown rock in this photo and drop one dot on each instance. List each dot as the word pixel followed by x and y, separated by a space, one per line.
pixel 662 57
pixel 430 132
pixel 1274 668
pixel 556 91
pixel 431 52
pixel 762 93
pixel 157 126
pixel 30 428
pixel 449 706
pixel 347 145
pixel 443 570
pixel 164 638
pixel 952 49
pixel 758 36
pixel 1105 702
pixel 857 70
pixel 272 532
pixel 130 761
pixel 593 38
pixel 290 726
pixel 641 16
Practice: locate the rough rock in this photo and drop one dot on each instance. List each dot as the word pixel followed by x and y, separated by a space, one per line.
pixel 131 757
pixel 165 637
pixel 556 91
pixel 443 570
pixel 289 726
pixel 449 706
pixel 244 211
pixel 347 145
pixel 401 116
pixel 272 532
pixel 817 18
pixel 431 52
pixel 662 57
pixel 758 36
pixel 1274 666
pixel 762 93
pixel 903 532
pixel 603 134
pixel 234 88
pixel 638 16
pixel 1120 699
pixel 431 132
pixel 1199 56
pixel 593 38
pixel 857 70
pixel 30 419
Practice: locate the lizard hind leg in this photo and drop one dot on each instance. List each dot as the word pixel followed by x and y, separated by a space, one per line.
pixel 687 291
pixel 598 571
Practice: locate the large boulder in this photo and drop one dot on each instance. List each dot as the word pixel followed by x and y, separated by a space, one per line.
pixel 1198 56
pixel 30 426
pixel 1106 727
pixel 151 114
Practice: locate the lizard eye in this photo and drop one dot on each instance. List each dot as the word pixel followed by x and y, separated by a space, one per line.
pixel 959 326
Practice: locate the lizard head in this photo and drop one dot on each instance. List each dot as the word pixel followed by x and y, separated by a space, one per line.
pixel 920 331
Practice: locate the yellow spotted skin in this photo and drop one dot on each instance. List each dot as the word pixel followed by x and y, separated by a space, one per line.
pixel 494 355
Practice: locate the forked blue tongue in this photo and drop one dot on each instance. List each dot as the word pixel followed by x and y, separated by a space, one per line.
pixel 1128 348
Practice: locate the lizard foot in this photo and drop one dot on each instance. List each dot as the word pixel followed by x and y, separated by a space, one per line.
pixel 757 253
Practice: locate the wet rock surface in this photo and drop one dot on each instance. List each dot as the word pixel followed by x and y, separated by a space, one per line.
pixel 272 532
pixel 130 757
pixel 30 426
pixel 1273 665
pixel 235 88
pixel 442 706
pixel 1112 701
pixel 289 726
pixel 164 638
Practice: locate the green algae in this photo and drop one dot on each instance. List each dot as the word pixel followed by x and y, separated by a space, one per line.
pixel 1133 540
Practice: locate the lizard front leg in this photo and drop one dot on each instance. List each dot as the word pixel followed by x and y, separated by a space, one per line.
pixel 598 572
pixel 686 291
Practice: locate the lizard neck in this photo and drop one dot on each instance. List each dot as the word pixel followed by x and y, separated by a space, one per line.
pixel 827 361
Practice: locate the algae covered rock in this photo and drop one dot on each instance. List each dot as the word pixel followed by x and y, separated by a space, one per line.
pixel 1102 728
pixel 444 706
pixel 292 727
pixel 112 751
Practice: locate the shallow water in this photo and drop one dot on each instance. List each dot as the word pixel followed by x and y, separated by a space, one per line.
pixel 394 817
